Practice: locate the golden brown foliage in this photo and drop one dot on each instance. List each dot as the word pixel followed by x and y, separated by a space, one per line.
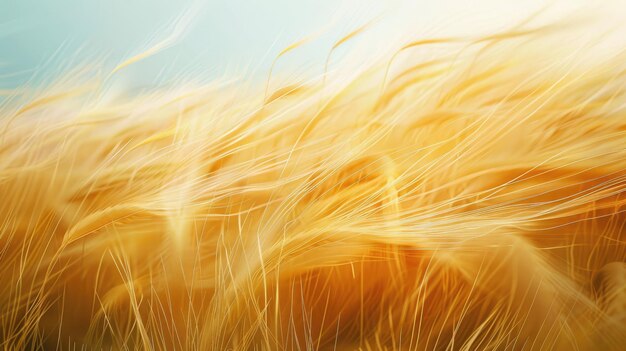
pixel 471 200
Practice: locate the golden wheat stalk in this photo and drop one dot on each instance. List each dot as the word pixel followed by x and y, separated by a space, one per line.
pixel 469 201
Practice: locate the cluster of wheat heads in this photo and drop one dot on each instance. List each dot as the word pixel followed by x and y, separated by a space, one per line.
pixel 471 198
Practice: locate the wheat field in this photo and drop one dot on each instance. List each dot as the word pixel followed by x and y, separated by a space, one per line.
pixel 468 199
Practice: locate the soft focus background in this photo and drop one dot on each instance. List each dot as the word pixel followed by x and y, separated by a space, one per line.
pixel 208 39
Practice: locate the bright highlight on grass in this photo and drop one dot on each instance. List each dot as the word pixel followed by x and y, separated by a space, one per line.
pixel 470 197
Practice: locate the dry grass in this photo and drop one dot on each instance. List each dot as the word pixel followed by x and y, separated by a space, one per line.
pixel 473 200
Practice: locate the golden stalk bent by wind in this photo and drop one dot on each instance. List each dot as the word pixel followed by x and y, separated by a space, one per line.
pixel 470 200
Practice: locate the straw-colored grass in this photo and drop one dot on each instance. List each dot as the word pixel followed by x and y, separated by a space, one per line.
pixel 470 200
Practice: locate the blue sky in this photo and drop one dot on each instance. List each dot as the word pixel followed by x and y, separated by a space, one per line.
pixel 41 38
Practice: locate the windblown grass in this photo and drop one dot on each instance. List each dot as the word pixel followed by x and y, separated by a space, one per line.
pixel 470 200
